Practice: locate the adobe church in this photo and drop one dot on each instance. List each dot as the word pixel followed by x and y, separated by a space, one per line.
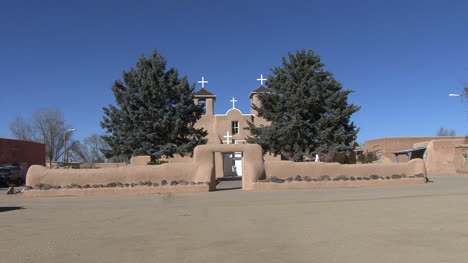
pixel 228 128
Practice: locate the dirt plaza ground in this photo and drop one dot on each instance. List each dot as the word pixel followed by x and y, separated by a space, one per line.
pixel 414 223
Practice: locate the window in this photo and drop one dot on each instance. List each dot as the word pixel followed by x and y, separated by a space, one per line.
pixel 203 104
pixel 235 127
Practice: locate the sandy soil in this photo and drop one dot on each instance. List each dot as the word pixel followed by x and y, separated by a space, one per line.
pixel 414 223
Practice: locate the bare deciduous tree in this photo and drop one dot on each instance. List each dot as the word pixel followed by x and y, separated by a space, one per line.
pixel 445 132
pixel 47 127
pixel 95 145
pixel 79 152
pixel 22 130
pixel 51 129
pixel 90 151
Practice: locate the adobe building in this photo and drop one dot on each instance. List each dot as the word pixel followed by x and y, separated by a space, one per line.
pixel 460 158
pixel 21 154
pixel 227 128
pixel 230 127
pixel 438 152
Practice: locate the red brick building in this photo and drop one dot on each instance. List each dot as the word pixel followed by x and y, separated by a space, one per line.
pixel 21 153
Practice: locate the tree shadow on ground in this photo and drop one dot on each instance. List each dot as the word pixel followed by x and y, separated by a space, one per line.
pixel 10 208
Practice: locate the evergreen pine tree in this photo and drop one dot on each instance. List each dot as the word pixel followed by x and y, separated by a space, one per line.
pixel 308 110
pixel 155 113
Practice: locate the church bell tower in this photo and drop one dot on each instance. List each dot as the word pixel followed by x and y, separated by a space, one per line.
pixel 207 99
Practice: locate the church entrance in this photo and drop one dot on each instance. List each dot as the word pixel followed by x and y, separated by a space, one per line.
pixel 232 164
pixel 231 171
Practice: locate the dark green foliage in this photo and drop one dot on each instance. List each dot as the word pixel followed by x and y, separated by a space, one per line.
pixel 155 113
pixel 308 110
pixel 367 157
pixel 344 157
pixel 157 162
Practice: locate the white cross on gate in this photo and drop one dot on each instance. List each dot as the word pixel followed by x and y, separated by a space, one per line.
pixel 202 81
pixel 233 102
pixel 228 136
pixel 261 79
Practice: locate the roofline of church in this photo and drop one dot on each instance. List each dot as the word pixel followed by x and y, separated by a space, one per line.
pixel 260 89
pixel 204 96
pixel 243 114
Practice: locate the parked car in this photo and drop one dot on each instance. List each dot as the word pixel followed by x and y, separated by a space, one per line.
pixel 10 175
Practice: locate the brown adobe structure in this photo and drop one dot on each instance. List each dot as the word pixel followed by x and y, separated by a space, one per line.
pixel 218 125
pixel 199 175
pixel 438 152
pixel 226 146
pixel 228 128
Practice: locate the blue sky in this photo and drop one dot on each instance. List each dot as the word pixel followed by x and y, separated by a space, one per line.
pixel 401 58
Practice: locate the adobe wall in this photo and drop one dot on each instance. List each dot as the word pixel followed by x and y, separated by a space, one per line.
pixel 121 180
pixel 128 174
pixel 140 160
pixel 200 174
pixel 145 159
pixel 117 191
pixel 440 155
pixel 285 169
pixel 460 158
pixel 388 145
pixel 200 170
pixel 335 184
pixel 178 159
pixel 60 165
pixel 219 165
pixel 101 165
pixel 294 175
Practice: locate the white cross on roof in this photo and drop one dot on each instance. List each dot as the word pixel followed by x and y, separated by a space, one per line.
pixel 261 79
pixel 203 81
pixel 228 137
pixel 233 102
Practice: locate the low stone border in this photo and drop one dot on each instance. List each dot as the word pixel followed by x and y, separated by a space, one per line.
pixel 113 185
pixel 305 182
pixel 107 191
pixel 325 178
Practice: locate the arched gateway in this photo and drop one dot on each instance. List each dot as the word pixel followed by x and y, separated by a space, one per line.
pixel 253 167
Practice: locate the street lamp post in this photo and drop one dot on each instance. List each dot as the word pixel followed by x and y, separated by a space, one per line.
pixel 463 94
pixel 65 157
